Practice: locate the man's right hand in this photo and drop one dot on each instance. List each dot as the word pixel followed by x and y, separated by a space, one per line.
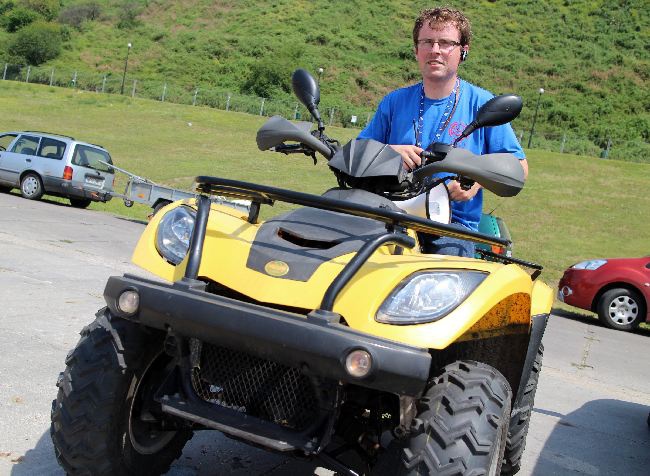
pixel 410 155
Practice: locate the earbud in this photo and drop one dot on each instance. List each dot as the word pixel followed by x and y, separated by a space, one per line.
pixel 463 54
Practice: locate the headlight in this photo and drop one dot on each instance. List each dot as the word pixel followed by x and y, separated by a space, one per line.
pixel 173 234
pixel 590 264
pixel 428 296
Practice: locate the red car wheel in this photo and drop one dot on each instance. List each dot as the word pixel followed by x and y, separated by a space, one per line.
pixel 621 309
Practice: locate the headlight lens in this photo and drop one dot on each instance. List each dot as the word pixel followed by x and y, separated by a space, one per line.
pixel 428 296
pixel 174 232
pixel 590 264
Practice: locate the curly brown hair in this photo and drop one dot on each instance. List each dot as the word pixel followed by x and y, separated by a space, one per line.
pixel 440 16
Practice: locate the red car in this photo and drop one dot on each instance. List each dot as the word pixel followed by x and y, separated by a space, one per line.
pixel 617 289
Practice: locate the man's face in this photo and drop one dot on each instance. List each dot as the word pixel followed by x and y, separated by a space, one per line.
pixel 438 64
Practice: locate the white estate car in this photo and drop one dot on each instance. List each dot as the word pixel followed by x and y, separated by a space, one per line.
pixel 40 163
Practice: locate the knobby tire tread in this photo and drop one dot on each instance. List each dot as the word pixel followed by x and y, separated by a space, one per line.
pixel 91 401
pixel 461 415
pixel 520 422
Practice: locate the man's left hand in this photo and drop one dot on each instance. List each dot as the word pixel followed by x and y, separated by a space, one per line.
pixel 457 194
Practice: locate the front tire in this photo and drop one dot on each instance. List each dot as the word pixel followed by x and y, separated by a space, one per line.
pixel 31 187
pixel 104 419
pixel 461 424
pixel 621 309
pixel 520 420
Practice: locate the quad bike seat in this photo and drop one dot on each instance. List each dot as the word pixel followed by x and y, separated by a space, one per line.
pixel 307 237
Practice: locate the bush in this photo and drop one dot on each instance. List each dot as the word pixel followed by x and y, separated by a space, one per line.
pixel 128 15
pixel 48 9
pixel 267 79
pixel 37 43
pixel 75 15
pixel 18 18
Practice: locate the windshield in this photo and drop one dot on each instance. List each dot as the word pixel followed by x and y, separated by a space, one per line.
pixel 87 156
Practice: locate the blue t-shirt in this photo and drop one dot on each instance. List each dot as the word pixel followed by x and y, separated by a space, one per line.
pixel 396 119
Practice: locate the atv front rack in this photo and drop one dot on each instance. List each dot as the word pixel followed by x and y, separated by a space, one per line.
pixel 396 224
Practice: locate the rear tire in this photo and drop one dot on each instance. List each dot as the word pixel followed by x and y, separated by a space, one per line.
pixel 31 187
pixel 104 419
pixel 159 206
pixel 80 202
pixel 462 423
pixel 621 309
pixel 520 421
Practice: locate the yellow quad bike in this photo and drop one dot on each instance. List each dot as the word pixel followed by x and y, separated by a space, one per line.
pixel 324 332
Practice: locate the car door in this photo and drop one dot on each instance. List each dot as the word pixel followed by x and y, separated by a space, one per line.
pixel 19 157
pixel 6 140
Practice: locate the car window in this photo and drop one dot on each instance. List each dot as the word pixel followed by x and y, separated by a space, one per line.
pixel 5 140
pixel 26 145
pixel 51 148
pixel 87 156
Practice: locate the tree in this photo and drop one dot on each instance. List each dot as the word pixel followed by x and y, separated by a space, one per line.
pixel 36 43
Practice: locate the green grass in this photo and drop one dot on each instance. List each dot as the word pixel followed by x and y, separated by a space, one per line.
pixel 572 207
pixel 591 56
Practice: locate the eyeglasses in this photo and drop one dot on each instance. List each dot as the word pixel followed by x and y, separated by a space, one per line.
pixel 445 45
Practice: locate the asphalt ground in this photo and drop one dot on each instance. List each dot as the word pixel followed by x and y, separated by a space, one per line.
pixel 590 411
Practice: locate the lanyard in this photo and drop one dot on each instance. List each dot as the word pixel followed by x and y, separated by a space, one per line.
pixel 450 108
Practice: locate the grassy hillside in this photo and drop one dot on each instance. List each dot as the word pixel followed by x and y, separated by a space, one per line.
pixel 572 208
pixel 591 56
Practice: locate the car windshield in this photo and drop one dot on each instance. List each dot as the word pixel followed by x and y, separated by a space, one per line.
pixel 87 156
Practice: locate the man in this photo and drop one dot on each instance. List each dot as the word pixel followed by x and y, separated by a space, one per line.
pixel 437 110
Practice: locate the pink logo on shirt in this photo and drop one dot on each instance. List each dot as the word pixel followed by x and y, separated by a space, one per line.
pixel 456 128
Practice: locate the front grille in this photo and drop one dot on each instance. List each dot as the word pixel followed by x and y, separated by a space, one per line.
pixel 254 386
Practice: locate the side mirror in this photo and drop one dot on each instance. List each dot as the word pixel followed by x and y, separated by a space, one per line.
pixel 498 110
pixel 307 91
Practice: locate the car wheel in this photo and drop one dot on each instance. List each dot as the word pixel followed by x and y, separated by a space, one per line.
pixel 80 202
pixel 621 309
pixel 31 187
pixel 159 206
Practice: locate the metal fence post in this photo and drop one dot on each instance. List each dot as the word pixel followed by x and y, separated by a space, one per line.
pixel 563 142
pixel 104 83
pixel 74 80
pixel 4 75
pixel 164 92
pixel 196 92
pixel 228 103
pixel 331 115
pixel 262 107
pixel 52 77
pixel 295 112
pixel 133 90
pixel 29 69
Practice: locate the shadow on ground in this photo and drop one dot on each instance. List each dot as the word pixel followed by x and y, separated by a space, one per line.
pixel 592 320
pixel 617 445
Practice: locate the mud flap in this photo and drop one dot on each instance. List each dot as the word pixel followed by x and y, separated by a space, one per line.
pixel 536 333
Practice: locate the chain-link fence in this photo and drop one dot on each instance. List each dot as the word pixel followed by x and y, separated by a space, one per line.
pixel 568 142
pixel 168 91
